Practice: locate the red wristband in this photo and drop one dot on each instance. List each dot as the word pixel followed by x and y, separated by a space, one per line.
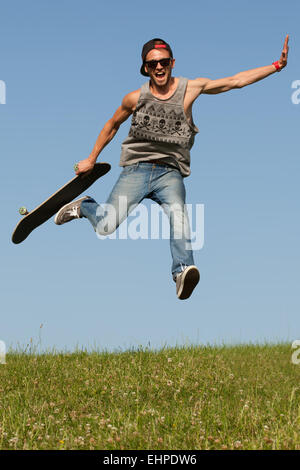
pixel 277 66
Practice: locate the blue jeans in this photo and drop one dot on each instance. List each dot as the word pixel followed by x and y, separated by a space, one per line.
pixel 136 182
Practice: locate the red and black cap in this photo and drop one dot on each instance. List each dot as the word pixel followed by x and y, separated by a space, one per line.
pixel 155 43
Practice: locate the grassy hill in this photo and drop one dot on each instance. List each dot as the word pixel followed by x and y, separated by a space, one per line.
pixel 238 397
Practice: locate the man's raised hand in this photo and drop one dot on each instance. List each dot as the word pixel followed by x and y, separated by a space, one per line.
pixel 284 55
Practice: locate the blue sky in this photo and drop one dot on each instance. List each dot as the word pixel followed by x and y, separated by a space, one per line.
pixel 67 65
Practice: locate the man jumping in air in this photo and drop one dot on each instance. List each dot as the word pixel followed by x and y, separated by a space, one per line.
pixel 156 154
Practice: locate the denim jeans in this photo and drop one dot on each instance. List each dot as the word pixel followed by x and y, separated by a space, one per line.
pixel 162 184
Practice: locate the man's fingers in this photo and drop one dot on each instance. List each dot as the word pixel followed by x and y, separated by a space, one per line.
pixel 286 42
pixel 285 50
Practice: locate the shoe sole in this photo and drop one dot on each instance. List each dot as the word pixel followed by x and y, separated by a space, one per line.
pixel 189 281
pixel 64 207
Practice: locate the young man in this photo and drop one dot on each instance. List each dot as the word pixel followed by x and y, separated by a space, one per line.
pixel 156 154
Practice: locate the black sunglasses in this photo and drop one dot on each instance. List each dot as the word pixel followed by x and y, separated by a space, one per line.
pixel 152 64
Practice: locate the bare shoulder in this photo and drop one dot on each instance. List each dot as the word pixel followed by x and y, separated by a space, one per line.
pixel 127 107
pixel 197 85
pixel 193 90
pixel 131 99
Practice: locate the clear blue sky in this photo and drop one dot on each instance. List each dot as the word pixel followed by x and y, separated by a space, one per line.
pixel 66 65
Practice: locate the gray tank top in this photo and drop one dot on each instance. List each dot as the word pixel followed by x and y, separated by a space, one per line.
pixel 160 130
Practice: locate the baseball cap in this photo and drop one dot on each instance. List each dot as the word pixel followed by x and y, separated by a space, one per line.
pixel 155 43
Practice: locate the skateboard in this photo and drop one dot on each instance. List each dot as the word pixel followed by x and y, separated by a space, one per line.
pixel 33 219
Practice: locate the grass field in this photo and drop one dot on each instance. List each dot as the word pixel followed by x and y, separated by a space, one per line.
pixel 238 397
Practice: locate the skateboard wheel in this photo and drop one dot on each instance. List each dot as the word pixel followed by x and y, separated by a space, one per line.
pixel 76 167
pixel 23 210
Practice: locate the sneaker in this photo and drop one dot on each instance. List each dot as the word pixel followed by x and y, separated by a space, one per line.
pixel 186 282
pixel 69 212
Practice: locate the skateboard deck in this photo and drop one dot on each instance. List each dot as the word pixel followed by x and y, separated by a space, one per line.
pixel 76 186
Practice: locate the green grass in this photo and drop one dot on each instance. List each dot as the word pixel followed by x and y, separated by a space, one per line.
pixel 238 397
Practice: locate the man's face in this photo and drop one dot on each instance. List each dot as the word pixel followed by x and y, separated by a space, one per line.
pixel 161 74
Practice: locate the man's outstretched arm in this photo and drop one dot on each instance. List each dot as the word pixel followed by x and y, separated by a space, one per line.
pixel 109 130
pixel 242 79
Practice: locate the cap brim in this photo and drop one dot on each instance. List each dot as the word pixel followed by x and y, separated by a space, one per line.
pixel 142 70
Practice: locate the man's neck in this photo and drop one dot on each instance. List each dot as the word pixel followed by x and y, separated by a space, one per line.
pixel 165 90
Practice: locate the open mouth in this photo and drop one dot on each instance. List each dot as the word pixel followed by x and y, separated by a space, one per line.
pixel 160 74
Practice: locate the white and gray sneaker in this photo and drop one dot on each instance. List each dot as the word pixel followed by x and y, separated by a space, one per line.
pixel 69 212
pixel 186 282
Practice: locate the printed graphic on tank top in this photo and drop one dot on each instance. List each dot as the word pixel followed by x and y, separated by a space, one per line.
pixel 160 130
